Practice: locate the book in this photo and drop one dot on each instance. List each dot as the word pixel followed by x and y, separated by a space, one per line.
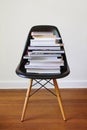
pixel 28 57
pixel 46 59
pixel 46 33
pixel 46 65
pixel 45 42
pixel 44 48
pixel 41 33
pixel 45 53
pixel 57 71
pixel 43 36
pixel 42 65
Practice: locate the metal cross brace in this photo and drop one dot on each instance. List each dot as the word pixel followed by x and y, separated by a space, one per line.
pixel 38 81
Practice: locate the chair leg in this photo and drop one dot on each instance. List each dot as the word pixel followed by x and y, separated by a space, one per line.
pixel 59 98
pixel 26 100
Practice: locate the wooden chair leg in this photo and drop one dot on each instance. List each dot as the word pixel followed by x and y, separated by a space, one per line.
pixel 59 98
pixel 26 100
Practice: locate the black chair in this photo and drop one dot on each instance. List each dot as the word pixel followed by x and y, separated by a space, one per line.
pixel 38 77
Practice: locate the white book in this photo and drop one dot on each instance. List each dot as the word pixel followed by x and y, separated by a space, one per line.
pixel 40 56
pixel 46 39
pixel 43 71
pixel 45 53
pixel 60 63
pixel 46 59
pixel 43 65
pixel 45 43
pixel 39 66
pixel 34 42
pixel 44 47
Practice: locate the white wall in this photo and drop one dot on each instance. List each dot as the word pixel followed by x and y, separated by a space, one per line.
pixel 16 19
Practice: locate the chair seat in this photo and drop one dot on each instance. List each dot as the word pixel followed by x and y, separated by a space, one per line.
pixel 21 71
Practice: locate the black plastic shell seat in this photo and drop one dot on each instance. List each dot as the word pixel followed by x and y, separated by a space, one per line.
pixel 21 71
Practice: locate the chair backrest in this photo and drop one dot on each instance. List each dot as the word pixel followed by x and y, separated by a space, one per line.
pixel 21 71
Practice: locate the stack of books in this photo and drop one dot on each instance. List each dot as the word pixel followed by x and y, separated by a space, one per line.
pixel 44 53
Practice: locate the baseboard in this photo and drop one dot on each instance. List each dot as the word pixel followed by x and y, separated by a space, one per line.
pixel 25 84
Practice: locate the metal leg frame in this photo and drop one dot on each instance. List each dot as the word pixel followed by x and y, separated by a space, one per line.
pixel 42 85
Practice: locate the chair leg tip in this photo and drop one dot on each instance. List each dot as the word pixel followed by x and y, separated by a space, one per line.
pixel 22 120
pixel 64 119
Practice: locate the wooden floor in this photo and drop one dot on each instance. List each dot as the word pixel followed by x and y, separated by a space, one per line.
pixel 43 111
